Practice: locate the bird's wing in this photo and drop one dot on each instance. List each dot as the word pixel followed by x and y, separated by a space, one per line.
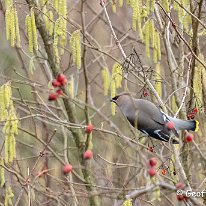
pixel 159 117
pixel 159 134
pixel 151 110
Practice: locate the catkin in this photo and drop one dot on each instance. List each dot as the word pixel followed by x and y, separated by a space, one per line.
pixel 204 78
pixel 155 55
pixel 8 23
pixel 155 49
pixel 8 3
pixel 114 7
pixel 128 2
pixel 184 2
pixel 147 7
pixel 186 22
pixel 197 79
pixel 152 5
pixel 34 33
pixel 12 26
pixel 6 148
pixel 45 17
pixel 113 91
pixel 165 5
pixel 152 32
pixel 117 74
pixel 197 83
pixel 121 3
pixel 8 197
pixel 10 127
pixel 56 4
pixel 106 80
pixel 18 39
pixel 78 50
pixel 2 176
pixel 174 105
pixel 134 18
pixel 29 32
pixel 128 202
pixel 11 148
pixel 56 34
pixel 138 18
pixel 158 46
pixel 71 86
pixel 155 195
pixel 51 25
pixel 132 3
pixel 158 83
pixel 147 38
pixel 75 47
pixel 62 8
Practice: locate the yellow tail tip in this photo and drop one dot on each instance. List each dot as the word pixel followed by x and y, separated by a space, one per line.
pixel 196 126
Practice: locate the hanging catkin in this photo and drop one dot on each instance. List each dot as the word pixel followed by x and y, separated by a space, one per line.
pixel 106 80
pixel 75 48
pixel 117 74
pixel 197 80
pixel 158 83
pixel 113 92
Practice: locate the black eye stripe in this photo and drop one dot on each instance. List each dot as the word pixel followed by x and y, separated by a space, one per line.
pixel 115 98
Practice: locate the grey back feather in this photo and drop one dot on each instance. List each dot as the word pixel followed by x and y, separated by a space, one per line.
pixel 143 111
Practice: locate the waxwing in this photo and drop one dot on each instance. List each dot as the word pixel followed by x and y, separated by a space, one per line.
pixel 146 117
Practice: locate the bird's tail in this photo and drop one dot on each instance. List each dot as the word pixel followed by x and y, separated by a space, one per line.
pixel 185 124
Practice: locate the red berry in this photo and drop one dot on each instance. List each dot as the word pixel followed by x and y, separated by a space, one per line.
pixel 88 155
pixel 164 171
pixel 180 185
pixel 52 97
pixel 59 92
pixel 145 93
pixel 152 162
pixel 56 83
pixel 170 125
pixel 152 172
pixel 188 137
pixel 67 168
pixel 195 110
pixel 89 128
pixel 151 149
pixel 180 197
pixel 62 79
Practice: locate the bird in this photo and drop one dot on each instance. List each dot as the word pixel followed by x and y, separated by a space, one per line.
pixel 149 119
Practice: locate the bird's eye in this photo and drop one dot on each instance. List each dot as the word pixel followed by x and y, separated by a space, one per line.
pixel 115 98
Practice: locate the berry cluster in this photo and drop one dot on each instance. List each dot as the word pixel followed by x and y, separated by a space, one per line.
pixel 152 170
pixel 165 167
pixel 151 149
pixel 191 114
pixel 60 82
pixel 88 154
pixel 145 93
